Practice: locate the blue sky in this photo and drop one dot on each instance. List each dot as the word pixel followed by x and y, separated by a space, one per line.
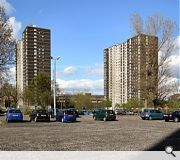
pixel 81 29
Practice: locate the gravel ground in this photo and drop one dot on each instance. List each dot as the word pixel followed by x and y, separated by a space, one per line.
pixel 128 133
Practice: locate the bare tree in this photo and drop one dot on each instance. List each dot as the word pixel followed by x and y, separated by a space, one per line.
pixel 165 29
pixel 136 23
pixel 7 43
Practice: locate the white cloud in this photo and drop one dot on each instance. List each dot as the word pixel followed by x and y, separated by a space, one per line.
pixel 174 64
pixel 177 45
pixel 82 85
pixel 8 7
pixel 16 26
pixel 175 59
pixel 68 71
pixel 174 85
pixel 96 70
pixel 10 75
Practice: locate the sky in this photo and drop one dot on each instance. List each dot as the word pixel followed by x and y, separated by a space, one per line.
pixel 81 29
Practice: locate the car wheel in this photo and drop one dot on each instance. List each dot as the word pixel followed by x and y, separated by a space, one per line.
pixel 166 120
pixel 150 118
pixel 104 119
pixel 143 118
pixel 176 119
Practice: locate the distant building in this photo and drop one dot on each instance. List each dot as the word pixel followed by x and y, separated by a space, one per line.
pixel 33 56
pixel 175 97
pixel 19 71
pixel 130 69
pixel 95 99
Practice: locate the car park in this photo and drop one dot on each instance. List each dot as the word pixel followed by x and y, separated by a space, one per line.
pixel 174 116
pixel 66 115
pixel 104 115
pixel 14 115
pixel 39 115
pixel 152 114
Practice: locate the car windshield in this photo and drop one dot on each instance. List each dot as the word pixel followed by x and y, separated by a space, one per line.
pixel 72 109
pixel 158 111
pixel 14 111
pixel 69 112
pixel 110 111
pixel 146 110
pixel 41 111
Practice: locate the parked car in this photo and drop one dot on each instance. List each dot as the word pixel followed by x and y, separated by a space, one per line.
pixel 83 112
pixel 96 110
pixel 74 110
pixel 151 114
pixel 2 111
pixel 39 115
pixel 66 116
pixel 130 113
pixel 120 112
pixel 14 115
pixel 104 115
pixel 174 116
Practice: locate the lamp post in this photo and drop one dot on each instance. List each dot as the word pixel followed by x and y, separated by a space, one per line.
pixel 55 59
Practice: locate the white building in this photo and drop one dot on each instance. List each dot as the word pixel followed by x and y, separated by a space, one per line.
pixel 19 71
pixel 125 68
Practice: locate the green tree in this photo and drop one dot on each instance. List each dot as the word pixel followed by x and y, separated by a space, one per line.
pixel 82 101
pixel 105 104
pixel 39 91
pixel 69 103
pixel 132 104
pixel 9 92
pixel 173 104
pixel 117 105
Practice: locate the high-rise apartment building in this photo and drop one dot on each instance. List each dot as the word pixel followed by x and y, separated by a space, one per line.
pixel 33 55
pixel 131 70
pixel 19 70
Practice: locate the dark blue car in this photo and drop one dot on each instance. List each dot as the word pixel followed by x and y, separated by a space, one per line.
pixel 14 115
pixel 66 116
pixel 175 116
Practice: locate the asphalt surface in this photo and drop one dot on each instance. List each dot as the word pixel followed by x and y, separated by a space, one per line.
pixel 128 133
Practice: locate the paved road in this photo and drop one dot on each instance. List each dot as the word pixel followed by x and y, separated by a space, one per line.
pixel 126 134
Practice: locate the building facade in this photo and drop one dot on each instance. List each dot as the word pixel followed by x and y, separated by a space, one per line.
pixel 33 56
pixel 19 71
pixel 131 70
